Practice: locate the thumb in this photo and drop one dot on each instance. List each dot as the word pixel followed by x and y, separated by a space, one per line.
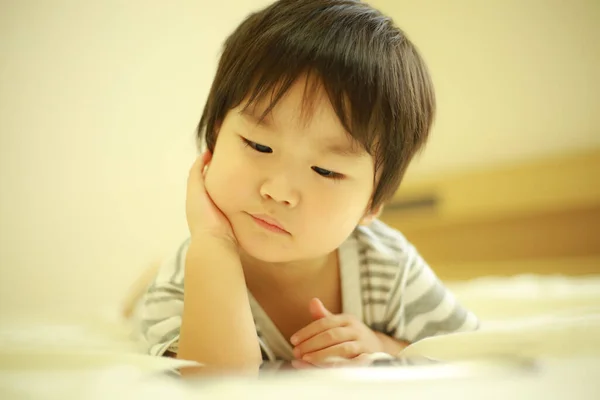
pixel 317 309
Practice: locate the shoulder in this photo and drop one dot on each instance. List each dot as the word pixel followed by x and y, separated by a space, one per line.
pixel 161 307
pixel 172 269
pixel 380 241
pixel 384 254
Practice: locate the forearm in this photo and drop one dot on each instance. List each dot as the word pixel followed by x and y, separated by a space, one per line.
pixel 217 329
pixel 390 345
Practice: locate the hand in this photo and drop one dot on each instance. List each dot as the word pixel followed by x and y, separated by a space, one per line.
pixel 364 360
pixel 203 216
pixel 331 338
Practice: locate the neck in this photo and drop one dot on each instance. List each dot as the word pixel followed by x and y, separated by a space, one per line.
pixel 260 275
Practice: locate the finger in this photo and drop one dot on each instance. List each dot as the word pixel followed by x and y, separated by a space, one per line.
pixel 325 339
pixel 317 309
pixel 362 360
pixel 299 364
pixel 319 326
pixel 342 350
pixel 198 167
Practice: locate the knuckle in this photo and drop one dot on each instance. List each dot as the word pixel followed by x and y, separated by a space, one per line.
pixel 330 335
pixel 351 348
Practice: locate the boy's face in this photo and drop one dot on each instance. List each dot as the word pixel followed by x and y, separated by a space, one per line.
pixel 299 173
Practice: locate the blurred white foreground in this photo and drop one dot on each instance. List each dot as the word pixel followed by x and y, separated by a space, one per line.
pixel 540 339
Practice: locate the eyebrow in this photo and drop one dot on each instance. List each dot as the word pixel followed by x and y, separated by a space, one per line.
pixel 252 116
pixel 344 150
pixel 334 148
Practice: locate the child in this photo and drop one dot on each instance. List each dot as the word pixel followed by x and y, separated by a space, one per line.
pixel 315 112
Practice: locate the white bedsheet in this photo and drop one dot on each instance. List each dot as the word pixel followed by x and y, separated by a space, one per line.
pixel 551 318
pixel 502 298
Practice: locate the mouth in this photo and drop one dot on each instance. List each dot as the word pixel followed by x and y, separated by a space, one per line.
pixel 268 223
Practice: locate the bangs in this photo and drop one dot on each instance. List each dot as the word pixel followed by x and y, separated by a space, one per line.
pixel 373 76
pixel 266 91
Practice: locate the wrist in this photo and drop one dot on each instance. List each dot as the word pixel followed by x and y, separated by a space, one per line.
pixel 389 344
pixel 381 340
pixel 207 241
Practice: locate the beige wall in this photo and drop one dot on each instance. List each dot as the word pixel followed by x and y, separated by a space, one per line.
pixel 98 102
pixel 514 78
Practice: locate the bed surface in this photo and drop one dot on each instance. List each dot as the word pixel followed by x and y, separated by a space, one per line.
pixel 552 322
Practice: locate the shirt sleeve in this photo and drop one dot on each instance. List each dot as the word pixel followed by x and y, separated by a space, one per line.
pixel 421 306
pixel 162 306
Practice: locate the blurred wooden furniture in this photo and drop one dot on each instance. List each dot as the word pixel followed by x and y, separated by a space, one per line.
pixel 540 216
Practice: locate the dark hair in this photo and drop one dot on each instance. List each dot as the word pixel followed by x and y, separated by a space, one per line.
pixel 376 81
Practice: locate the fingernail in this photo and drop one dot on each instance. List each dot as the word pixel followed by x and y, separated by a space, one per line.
pixel 306 358
pixel 294 340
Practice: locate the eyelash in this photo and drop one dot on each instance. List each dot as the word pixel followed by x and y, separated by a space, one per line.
pixel 325 173
pixel 257 147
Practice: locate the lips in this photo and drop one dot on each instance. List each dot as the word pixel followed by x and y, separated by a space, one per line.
pixel 269 222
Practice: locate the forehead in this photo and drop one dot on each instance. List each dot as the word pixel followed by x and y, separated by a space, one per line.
pixel 304 109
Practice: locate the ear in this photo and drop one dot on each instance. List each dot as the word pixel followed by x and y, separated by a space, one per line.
pixel 371 215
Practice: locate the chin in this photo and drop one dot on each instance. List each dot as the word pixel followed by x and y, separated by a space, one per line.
pixel 262 248
pixel 265 253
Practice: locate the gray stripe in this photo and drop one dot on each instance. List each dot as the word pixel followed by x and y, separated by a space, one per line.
pixel 415 271
pixel 424 304
pixel 178 260
pixel 450 324
pixel 375 288
pixel 391 241
pixel 147 323
pixel 393 245
pixel 379 327
pixel 166 290
pixel 381 261
pixel 372 302
pixel 161 299
pixel 265 350
pixel 377 274
pixel 396 306
pixel 393 292
pixel 169 336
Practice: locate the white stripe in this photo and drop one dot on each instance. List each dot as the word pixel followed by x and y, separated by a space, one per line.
pixel 374 268
pixel 470 323
pixel 399 297
pixel 164 309
pixel 375 295
pixel 440 313
pixel 376 281
pixel 157 332
pixel 421 285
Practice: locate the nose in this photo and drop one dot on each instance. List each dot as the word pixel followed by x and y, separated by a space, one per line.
pixel 279 189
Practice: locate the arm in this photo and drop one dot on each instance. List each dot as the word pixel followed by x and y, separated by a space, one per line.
pixel 390 345
pixel 424 307
pixel 138 290
pixel 217 328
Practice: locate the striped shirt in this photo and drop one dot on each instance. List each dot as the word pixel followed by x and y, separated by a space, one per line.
pixel 384 283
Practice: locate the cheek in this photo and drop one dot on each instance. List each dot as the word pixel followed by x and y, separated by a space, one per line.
pixel 226 167
pixel 341 209
pixel 220 171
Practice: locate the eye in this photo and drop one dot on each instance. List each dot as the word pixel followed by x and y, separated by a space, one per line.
pixel 327 174
pixel 258 147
